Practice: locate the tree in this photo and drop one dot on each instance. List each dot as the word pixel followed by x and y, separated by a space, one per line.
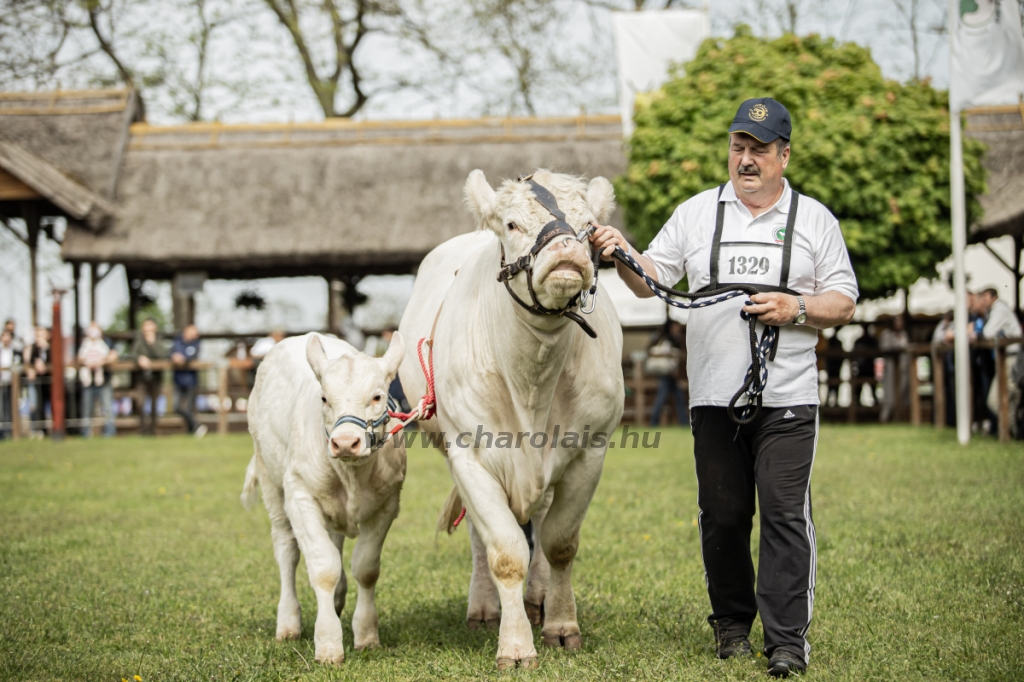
pixel 875 152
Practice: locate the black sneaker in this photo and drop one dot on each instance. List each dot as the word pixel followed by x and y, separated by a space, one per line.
pixel 785 663
pixel 733 647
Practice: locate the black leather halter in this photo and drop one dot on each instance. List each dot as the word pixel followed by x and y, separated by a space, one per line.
pixel 554 229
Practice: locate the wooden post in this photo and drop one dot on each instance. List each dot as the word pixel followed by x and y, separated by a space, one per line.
pixel 57 368
pixel 640 398
pixel 915 398
pixel 1003 389
pixel 15 402
pixel 939 387
pixel 222 398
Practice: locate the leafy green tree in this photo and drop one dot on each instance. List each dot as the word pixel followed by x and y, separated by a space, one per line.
pixel 874 151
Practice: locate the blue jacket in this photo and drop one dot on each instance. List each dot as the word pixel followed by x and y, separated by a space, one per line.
pixel 186 378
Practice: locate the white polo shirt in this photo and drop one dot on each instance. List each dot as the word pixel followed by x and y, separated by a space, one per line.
pixel 717 338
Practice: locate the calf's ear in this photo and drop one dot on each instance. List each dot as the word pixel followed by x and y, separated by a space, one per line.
pixel 601 199
pixel 479 198
pixel 393 357
pixel 315 355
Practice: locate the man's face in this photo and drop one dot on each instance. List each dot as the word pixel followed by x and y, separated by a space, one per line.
pixel 190 333
pixel 5 338
pixel 753 165
pixel 42 335
pixel 985 301
pixel 149 329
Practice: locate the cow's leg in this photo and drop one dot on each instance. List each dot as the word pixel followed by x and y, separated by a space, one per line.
pixel 286 551
pixel 323 561
pixel 540 570
pixel 508 556
pixel 366 570
pixel 342 589
pixel 560 536
pixel 483 608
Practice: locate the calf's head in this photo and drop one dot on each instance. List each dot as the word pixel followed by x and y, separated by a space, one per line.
pixel 563 268
pixel 355 385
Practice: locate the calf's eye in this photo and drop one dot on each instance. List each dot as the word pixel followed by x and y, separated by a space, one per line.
pixel 376 398
pixel 511 226
pixel 323 400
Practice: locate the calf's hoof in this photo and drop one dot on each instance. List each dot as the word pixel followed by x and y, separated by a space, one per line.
pixel 489 624
pixel 285 634
pixel 528 663
pixel 535 612
pixel 330 656
pixel 572 642
pixel 368 644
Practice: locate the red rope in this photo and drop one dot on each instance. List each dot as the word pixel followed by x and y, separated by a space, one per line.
pixel 462 515
pixel 427 406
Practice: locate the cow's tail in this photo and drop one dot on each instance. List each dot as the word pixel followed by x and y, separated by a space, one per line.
pixel 450 513
pixel 249 488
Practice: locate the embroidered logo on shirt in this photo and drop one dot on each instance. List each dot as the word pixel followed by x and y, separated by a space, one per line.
pixel 758 113
pixel 789 415
pixel 780 235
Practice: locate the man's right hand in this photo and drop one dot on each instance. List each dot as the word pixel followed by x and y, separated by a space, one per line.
pixel 144 362
pixel 605 239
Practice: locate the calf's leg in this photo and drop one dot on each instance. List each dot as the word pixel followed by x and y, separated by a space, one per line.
pixel 342 589
pixel 323 562
pixel 483 608
pixel 366 570
pixel 286 551
pixel 560 537
pixel 508 556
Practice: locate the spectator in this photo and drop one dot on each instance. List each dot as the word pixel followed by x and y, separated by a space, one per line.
pixel 894 339
pixel 864 364
pixel 94 356
pixel 395 390
pixel 263 346
pixel 146 348
pixel 943 336
pixel 833 367
pixel 9 360
pixel 186 381
pixel 663 362
pixel 1000 322
pixel 983 365
pixel 16 343
pixel 37 371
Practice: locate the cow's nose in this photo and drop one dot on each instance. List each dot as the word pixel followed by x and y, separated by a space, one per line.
pixel 346 446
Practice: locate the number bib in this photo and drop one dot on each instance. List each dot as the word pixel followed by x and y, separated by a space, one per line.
pixel 750 263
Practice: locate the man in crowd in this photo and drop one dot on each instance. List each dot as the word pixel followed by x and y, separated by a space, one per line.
pixel 94 357
pixel 37 371
pixel 186 381
pixel 754 230
pixel 9 361
pixel 146 348
pixel 998 321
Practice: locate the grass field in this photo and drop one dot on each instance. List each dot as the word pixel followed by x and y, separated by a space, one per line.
pixel 134 557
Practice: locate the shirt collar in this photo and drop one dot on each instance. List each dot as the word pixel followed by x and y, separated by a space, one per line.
pixel 782 205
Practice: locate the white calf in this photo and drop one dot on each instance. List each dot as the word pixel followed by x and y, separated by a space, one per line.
pixel 322 479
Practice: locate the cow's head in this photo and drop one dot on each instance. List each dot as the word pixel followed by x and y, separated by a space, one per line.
pixel 564 267
pixel 355 385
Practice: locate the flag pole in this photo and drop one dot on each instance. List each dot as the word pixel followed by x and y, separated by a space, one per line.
pixel 961 350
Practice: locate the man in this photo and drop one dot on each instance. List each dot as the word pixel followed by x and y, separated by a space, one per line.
pixel 186 381
pixel 998 322
pixel 10 359
pixel 758 229
pixel 147 347
pixel 94 356
pixel 37 371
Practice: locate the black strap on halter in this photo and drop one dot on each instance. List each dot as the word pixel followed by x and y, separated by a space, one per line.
pixel 787 247
pixel 554 229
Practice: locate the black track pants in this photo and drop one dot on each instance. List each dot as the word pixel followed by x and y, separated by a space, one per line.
pixel 772 457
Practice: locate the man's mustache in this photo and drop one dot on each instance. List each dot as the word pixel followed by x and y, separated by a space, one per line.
pixel 749 170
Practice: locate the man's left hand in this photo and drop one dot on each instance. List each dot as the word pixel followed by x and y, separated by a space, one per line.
pixel 773 308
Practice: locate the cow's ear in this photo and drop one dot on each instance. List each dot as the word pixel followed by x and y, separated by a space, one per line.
pixel 315 355
pixel 393 357
pixel 480 198
pixel 601 199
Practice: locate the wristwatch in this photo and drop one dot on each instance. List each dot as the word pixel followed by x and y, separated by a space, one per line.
pixel 801 317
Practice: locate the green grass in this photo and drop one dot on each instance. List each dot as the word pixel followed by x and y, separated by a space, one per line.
pixel 134 557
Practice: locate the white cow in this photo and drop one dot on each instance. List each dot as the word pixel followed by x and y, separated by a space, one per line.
pixel 499 367
pixel 321 480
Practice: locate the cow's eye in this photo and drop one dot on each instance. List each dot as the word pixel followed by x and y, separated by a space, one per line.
pixel 376 398
pixel 512 226
pixel 323 400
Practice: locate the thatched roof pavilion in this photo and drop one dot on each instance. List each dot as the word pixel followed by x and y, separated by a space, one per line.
pixel 332 198
pixel 1002 129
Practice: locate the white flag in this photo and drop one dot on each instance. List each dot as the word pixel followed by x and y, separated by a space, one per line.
pixel 988 54
pixel 646 43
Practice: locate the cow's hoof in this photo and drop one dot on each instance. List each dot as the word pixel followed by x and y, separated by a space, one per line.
pixel 528 663
pixel 535 612
pixel 489 624
pixel 372 644
pixel 568 642
pixel 330 657
pixel 285 635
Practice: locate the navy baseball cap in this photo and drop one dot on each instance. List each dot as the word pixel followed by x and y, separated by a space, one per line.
pixel 764 119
